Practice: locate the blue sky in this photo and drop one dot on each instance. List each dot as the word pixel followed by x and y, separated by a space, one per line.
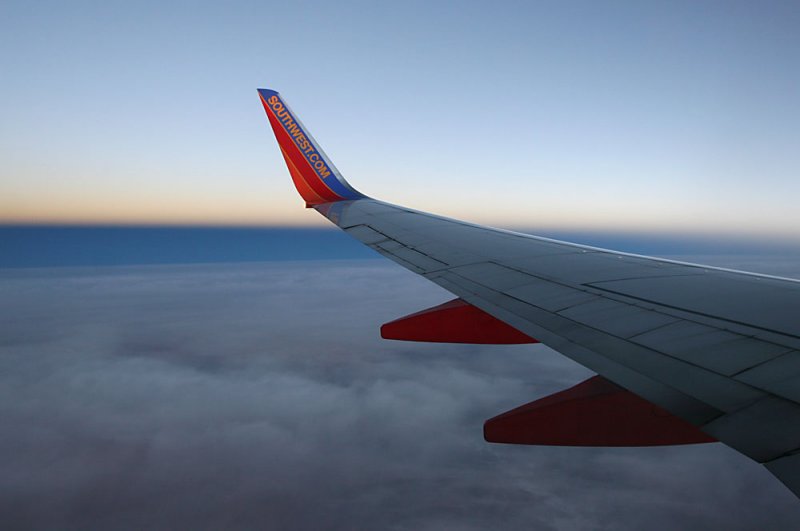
pixel 639 116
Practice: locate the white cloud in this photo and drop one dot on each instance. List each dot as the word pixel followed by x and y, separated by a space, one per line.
pixel 261 396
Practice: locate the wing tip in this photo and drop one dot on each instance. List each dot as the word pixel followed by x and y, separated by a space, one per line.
pixel 266 93
pixel 314 176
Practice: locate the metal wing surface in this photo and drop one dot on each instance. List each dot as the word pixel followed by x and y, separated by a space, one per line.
pixel 717 348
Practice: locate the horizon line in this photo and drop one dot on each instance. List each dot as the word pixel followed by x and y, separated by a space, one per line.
pixel 764 237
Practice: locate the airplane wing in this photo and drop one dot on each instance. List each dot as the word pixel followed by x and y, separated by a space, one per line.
pixel 684 353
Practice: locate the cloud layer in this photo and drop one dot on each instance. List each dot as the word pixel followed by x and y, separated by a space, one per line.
pixel 261 397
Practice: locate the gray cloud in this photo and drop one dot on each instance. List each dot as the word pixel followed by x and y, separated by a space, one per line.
pixel 261 397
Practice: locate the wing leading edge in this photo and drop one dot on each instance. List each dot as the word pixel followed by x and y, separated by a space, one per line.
pixel 718 349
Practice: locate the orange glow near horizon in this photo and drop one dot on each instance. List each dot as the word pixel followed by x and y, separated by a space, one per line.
pixel 255 210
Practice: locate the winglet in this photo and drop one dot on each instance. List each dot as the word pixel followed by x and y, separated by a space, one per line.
pixel 315 177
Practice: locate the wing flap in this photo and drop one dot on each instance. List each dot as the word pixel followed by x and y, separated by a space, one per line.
pixel 756 302
pixel 787 469
pixel 778 376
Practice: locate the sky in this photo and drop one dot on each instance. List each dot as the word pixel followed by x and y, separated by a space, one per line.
pixel 260 396
pixel 622 115
pixel 241 395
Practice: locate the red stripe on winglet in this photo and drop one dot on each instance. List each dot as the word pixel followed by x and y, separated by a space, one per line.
pixel 305 191
pixel 323 193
